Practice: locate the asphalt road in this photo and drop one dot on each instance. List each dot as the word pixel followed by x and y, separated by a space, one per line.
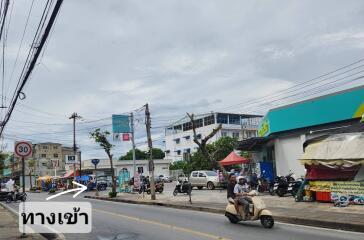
pixel 113 220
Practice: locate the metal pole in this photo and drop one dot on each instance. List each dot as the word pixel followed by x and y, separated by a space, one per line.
pixel 132 141
pixel 74 145
pixel 23 173
pixel 151 163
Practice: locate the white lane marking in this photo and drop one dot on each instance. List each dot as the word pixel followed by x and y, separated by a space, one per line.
pixel 320 228
pixel 80 190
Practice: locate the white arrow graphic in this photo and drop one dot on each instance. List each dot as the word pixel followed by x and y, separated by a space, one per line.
pixel 80 190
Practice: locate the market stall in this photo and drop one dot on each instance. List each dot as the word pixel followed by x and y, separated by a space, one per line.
pixel 334 165
pixel 233 159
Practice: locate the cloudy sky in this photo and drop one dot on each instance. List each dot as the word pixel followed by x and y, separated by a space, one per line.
pixel 113 56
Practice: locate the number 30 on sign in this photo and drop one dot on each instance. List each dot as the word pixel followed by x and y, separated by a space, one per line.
pixel 23 149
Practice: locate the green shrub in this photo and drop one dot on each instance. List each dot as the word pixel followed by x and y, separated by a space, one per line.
pixel 112 194
pixel 52 190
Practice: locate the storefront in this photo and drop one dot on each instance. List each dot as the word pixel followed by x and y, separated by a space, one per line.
pixel 335 166
pixel 284 130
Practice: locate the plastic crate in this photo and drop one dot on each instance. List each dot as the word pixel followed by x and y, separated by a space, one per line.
pixel 323 196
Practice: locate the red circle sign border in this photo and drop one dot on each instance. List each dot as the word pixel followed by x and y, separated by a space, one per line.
pixel 26 143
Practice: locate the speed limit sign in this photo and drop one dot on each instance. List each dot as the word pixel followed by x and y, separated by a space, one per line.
pixel 23 149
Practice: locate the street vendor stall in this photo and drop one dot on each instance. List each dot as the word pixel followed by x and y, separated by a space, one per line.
pixel 332 164
pixel 233 159
pixel 44 182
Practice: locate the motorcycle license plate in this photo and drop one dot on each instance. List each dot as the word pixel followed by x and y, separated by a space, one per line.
pixel 275 187
pixel 290 189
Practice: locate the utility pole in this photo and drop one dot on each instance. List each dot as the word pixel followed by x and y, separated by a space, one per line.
pixel 75 116
pixel 132 141
pixel 150 145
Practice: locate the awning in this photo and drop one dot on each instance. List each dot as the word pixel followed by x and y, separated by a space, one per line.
pixel 252 144
pixel 337 150
pixel 71 174
pixel 233 159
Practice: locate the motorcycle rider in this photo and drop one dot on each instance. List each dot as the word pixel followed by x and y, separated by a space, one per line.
pixel 241 190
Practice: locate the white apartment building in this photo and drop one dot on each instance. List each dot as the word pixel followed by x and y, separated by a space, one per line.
pixel 179 135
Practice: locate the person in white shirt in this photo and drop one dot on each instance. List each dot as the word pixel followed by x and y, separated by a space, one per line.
pixel 241 190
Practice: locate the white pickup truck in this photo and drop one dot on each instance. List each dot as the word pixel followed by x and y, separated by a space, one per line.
pixel 203 178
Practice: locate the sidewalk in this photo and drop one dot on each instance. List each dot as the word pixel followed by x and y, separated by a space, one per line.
pixel 284 209
pixel 9 227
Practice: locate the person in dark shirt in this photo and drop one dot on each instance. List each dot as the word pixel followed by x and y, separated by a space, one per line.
pixel 230 186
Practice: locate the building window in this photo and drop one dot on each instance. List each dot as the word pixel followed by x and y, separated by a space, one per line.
pixel 140 170
pixel 55 147
pixel 234 119
pixel 43 155
pixel 209 120
pixel 178 127
pixel 198 136
pixel 199 123
pixel 177 140
pixel 45 147
pixel 224 134
pixel 178 152
pixel 222 118
pixel 55 155
pixel 235 134
pixel 187 137
pixel 187 126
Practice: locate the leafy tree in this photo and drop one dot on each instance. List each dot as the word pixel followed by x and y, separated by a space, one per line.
pixel 101 139
pixel 143 155
pixel 157 153
pixel 198 161
pixel 138 155
pixel 3 156
pixel 202 143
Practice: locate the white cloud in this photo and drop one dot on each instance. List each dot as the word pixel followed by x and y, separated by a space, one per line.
pixel 109 57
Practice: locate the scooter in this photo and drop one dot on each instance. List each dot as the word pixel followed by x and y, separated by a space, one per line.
pixel 15 196
pixel 159 187
pixel 257 211
pixel 182 187
pixel 287 184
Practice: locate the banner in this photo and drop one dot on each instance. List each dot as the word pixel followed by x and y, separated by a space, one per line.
pixel 351 188
pixel 342 193
pixel 124 177
pixel 320 186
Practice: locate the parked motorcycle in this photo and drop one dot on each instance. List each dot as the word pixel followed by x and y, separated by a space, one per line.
pixel 182 187
pixel 159 187
pixel 287 184
pixel 257 211
pixel 15 196
pixel 263 185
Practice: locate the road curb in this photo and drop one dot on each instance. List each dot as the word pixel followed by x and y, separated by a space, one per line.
pixel 345 226
pixel 53 236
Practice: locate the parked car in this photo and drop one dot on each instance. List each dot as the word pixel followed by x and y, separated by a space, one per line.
pixel 165 178
pixel 208 179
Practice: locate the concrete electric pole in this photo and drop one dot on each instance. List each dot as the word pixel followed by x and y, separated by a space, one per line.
pixel 150 145
pixel 74 117
pixel 133 141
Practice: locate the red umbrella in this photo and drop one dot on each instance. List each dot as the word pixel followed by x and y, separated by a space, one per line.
pixel 233 159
